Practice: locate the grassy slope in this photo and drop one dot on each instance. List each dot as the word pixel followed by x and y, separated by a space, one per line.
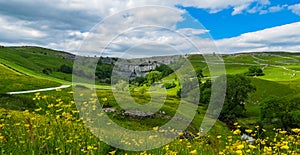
pixel 276 82
pixel 35 59
pixel 12 80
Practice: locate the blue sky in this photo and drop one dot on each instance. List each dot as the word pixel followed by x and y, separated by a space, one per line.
pixel 87 27
pixel 225 25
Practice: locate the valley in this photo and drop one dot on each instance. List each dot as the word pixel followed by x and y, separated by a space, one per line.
pixel 45 122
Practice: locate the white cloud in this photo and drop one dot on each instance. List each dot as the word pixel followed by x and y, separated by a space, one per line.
pixel 192 32
pixel 63 24
pixel 18 30
pixel 239 9
pixel 295 9
pixel 276 8
pixel 285 37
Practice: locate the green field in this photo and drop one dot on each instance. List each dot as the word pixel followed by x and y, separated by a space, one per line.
pixel 12 80
pixel 49 122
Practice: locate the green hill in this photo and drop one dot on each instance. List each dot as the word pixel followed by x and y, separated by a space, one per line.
pixel 39 60
pixel 12 80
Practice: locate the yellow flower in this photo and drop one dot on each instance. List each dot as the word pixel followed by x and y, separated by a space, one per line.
pixel 50 105
pixel 235 123
pixel 180 133
pixel 90 147
pixel 219 137
pixel 193 152
pixel 239 152
pixel 240 146
pixel 155 128
pixel 248 130
pixel 267 149
pixel 112 152
pixel 252 146
pixel 172 153
pixel 282 132
pixel 37 110
pixel 296 130
pixel 104 99
pixel 237 131
pixel 285 147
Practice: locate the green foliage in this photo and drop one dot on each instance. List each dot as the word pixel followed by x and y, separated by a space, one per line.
pixel 169 85
pixel 47 71
pixel 138 81
pixel 153 76
pixel 65 69
pixel 237 92
pixel 164 69
pixel 121 86
pixel 255 71
pixel 104 72
pixel 205 92
pixel 11 80
pixel 283 112
pixel 199 72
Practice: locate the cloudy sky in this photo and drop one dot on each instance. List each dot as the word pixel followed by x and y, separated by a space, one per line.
pixel 87 27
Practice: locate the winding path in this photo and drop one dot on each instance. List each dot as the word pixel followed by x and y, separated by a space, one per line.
pixel 38 90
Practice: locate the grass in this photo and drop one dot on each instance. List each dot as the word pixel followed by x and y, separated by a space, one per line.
pixel 54 127
pixel 49 123
pixel 21 81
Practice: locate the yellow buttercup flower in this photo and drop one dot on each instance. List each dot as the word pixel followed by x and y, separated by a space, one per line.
pixel 193 152
pixel 296 130
pixel 112 152
pixel 155 128
pixel 252 146
pixel 285 147
pixel 239 152
pixel 237 131
pixel 282 132
pixel 240 147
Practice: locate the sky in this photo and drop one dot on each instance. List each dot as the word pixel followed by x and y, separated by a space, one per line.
pixel 142 28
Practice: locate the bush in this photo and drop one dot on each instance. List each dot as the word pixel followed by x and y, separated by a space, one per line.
pixel 65 69
pixel 255 71
pixel 47 71
pixel 170 85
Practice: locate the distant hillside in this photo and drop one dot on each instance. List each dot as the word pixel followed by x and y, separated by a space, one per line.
pixel 40 60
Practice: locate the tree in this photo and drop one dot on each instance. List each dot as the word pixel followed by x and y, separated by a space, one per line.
pixel 153 76
pixel 199 73
pixel 283 112
pixel 104 72
pixel 255 71
pixel 205 92
pixel 238 88
pixel 164 69
pixel 66 69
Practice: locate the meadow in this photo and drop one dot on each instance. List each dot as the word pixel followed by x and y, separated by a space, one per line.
pixel 49 122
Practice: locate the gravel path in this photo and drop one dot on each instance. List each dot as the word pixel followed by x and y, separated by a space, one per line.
pixel 38 90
